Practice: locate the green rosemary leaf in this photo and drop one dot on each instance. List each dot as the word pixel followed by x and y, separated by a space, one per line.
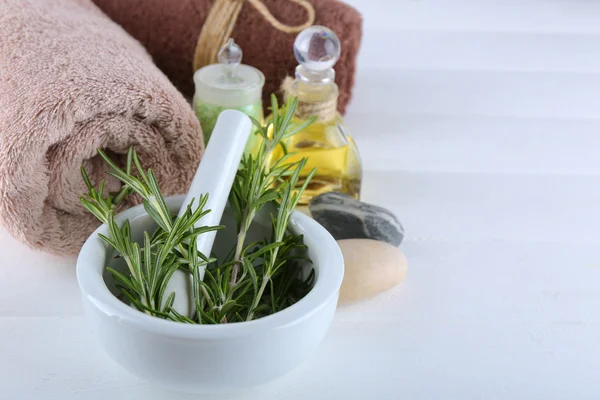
pixel 101 187
pixel 107 160
pixel 284 148
pixel 168 272
pixel 290 107
pixel 225 308
pixel 133 300
pixel 86 179
pixel 139 168
pixel 236 208
pixel 238 317
pixel 278 265
pixel 123 193
pixel 155 215
pixel 207 318
pixel 159 236
pixel 304 185
pixel 109 241
pixel 197 313
pixel 169 303
pixel 196 287
pixel 257 124
pixel 267 248
pixel 132 182
pixel 94 209
pixel 252 272
pixel 275 113
pixel 295 128
pixel 282 165
pixel 189 230
pixel 250 246
pixel 155 190
pixel 152 311
pixel 124 281
pixel 261 310
pixel 268 196
pixel 298 258
pixel 148 265
pixel 129 163
pixel 181 318
pixel 273 305
pixel 202 201
pixel 225 280
pixel 310 280
pixel 218 286
pixel 207 292
pixel 136 261
pixel 241 289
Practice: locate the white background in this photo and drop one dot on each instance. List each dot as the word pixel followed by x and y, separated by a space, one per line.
pixel 478 122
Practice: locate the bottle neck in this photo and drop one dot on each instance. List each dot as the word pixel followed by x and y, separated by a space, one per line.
pixel 314 99
pixel 312 93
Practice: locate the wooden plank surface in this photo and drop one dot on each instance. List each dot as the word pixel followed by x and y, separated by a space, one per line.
pixel 479 127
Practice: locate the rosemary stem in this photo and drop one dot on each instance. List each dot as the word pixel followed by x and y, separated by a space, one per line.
pixel 265 281
pixel 247 217
pixel 258 296
pixel 205 294
pixel 239 247
pixel 237 257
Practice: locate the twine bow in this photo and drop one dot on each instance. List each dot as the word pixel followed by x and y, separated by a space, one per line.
pixel 222 18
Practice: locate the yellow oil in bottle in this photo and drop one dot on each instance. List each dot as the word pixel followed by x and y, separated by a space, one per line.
pixel 330 151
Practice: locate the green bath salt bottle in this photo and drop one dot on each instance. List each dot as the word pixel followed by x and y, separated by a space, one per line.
pixel 225 86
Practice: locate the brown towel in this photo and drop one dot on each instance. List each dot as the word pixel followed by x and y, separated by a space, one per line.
pixel 71 80
pixel 169 29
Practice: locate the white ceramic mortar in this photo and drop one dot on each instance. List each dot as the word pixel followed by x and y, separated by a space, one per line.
pixel 209 358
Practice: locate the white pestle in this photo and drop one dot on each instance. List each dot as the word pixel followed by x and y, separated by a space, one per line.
pixel 214 176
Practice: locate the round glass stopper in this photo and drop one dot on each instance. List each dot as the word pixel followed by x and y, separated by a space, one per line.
pixel 230 53
pixel 317 48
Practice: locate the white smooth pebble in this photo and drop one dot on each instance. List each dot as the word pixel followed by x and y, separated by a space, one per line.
pixel 371 267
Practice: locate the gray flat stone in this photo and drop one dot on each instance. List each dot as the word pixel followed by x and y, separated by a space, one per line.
pixel 347 218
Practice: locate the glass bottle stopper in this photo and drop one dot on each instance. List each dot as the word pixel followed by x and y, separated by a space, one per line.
pixel 230 55
pixel 317 49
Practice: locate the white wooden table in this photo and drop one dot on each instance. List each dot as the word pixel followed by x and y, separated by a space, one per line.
pixel 480 128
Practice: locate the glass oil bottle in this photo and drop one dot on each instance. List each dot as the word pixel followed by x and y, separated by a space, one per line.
pixel 227 85
pixel 326 143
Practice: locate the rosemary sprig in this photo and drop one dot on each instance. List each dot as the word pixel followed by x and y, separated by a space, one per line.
pixel 150 267
pixel 255 184
pixel 257 279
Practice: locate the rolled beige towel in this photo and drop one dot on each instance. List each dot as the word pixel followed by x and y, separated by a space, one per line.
pixel 72 81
